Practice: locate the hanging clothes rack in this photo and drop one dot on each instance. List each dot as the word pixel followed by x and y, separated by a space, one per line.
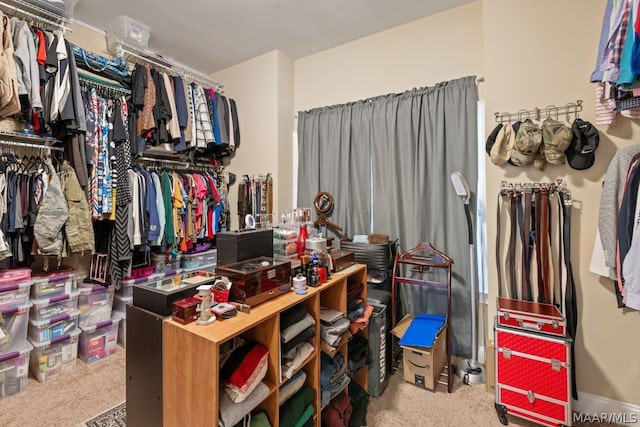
pixel 125 50
pixel 537 113
pixel 162 161
pixel 30 145
pixel 24 9
pixel 26 140
pixel 102 86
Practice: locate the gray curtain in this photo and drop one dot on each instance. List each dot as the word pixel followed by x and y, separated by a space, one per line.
pixel 387 161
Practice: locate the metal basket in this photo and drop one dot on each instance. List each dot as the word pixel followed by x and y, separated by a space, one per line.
pixel 375 256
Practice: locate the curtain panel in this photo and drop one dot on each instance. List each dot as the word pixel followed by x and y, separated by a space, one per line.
pixel 387 162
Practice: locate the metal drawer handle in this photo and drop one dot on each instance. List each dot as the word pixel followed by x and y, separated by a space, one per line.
pixel 531 396
pixel 528 325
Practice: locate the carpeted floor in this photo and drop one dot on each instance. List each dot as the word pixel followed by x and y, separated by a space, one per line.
pixel 97 387
pixel 70 400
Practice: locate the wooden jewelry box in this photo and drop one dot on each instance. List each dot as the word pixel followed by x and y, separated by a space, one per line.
pixel 257 280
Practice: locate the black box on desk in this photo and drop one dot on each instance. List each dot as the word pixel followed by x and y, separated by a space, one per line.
pixel 158 295
pixel 234 246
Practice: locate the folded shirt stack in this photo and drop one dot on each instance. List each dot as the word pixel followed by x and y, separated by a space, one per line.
pixel 297 330
pixel 332 325
pixel 244 370
pixel 333 377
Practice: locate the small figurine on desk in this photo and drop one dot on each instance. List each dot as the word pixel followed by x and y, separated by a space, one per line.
pixel 206 317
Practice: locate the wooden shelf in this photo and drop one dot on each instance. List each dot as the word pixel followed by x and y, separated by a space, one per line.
pixel 191 353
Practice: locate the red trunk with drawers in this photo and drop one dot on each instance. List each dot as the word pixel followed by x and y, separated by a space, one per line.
pixel 533 375
pixel 532 316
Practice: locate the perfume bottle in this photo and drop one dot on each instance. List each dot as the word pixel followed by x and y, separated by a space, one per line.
pixel 303 235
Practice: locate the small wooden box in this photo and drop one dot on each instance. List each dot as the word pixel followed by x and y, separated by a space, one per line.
pixel 256 280
pixel 185 310
pixel 341 259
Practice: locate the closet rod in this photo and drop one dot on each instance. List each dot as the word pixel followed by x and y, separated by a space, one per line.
pixel 91 81
pixel 160 160
pixel 30 145
pixel 536 112
pixel 34 140
pixel 54 19
pixel 126 50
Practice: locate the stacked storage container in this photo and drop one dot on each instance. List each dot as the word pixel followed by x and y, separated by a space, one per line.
pixel 15 349
pixel 53 324
pixel 124 296
pixel 206 260
pixel 99 332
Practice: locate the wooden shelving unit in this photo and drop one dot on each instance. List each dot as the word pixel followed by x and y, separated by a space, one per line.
pixel 421 262
pixel 191 353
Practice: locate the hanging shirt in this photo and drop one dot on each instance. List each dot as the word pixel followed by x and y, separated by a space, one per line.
pixel 26 61
pixel 135 212
pixel 151 207
pixel 160 209
pixel 169 227
pixel 204 129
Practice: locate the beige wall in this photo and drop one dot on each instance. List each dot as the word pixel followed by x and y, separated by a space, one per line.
pixel 254 86
pixel 417 54
pixel 531 53
pixel 535 55
pixel 263 90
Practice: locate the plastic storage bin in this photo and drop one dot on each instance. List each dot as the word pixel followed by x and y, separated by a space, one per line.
pixel 121 316
pixel 54 284
pixel 120 303
pixel 63 7
pixel 46 330
pixel 14 371
pixel 45 309
pixel 94 303
pixel 159 261
pixel 129 31
pixel 98 341
pixel 126 286
pixel 193 261
pixel 15 286
pixel 55 358
pixel 14 295
pixel 13 276
pixel 13 328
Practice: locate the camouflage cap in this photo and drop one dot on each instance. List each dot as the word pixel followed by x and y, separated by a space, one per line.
pixel 527 143
pixel 556 138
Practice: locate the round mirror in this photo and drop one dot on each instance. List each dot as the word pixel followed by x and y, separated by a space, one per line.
pixel 323 203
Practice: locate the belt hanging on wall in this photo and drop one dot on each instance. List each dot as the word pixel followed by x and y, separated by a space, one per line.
pixel 529 258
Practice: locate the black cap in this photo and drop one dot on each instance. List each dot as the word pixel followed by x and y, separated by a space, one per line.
pixel 581 154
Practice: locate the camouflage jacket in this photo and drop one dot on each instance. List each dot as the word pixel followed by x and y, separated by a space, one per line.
pixel 52 215
pixel 78 227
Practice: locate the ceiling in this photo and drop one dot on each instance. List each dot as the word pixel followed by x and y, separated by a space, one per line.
pixel 210 35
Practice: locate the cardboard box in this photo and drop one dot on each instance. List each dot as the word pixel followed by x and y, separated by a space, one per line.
pixel 490 366
pixel 422 366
